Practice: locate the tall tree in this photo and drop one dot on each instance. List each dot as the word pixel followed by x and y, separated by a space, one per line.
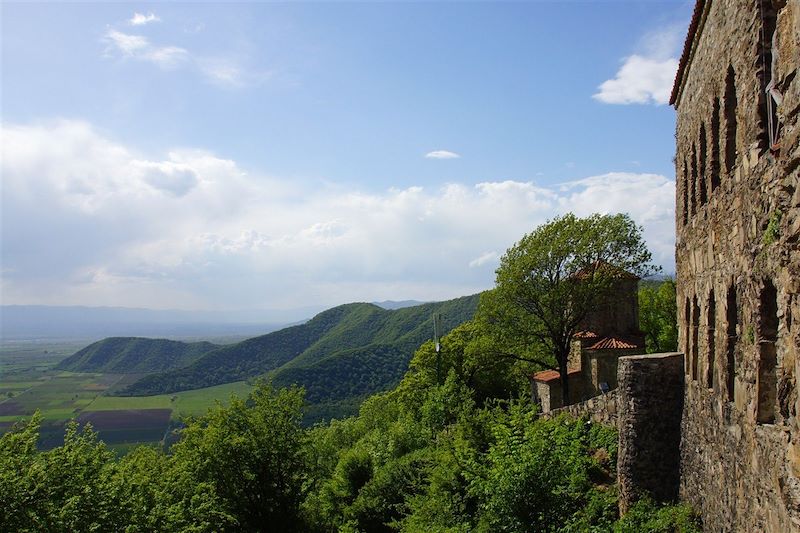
pixel 658 316
pixel 549 282
pixel 251 453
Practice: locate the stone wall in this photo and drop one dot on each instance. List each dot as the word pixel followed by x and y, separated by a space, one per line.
pixel 738 265
pixel 600 409
pixel 649 409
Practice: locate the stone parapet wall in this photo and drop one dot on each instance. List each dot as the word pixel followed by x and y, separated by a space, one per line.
pixel 600 409
pixel 650 405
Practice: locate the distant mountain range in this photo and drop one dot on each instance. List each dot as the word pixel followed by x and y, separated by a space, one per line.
pixel 79 322
pixel 342 353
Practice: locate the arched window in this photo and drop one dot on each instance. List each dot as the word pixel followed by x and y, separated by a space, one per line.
pixel 685 193
pixel 695 336
pixel 693 192
pixel 715 145
pixel 768 357
pixel 702 165
pixel 730 120
pixel 767 105
pixel 732 319
pixel 687 335
pixel 711 324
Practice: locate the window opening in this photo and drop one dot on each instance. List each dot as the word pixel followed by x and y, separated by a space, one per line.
pixel 715 145
pixel 702 165
pixel 711 316
pixel 693 198
pixel 687 332
pixel 770 98
pixel 730 120
pixel 695 336
pixel 685 193
pixel 731 317
pixel 768 357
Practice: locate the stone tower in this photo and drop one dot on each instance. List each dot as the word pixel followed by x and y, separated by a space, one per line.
pixel 737 97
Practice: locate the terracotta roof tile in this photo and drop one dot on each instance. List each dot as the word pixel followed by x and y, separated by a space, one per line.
pixel 585 335
pixel 613 343
pixel 547 376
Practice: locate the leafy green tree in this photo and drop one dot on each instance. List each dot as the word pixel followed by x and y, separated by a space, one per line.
pixel 467 351
pixel 65 489
pixel 658 316
pixel 541 475
pixel 549 282
pixel 251 453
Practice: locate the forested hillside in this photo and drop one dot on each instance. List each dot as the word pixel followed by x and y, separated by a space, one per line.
pixel 135 355
pixel 463 453
pixel 349 350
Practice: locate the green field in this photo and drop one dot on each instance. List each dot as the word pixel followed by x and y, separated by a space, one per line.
pixel 193 402
pixel 28 382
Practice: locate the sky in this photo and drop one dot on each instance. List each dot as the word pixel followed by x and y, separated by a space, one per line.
pixel 228 156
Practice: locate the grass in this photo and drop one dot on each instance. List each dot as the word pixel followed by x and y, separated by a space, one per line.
pixel 186 403
pixel 28 382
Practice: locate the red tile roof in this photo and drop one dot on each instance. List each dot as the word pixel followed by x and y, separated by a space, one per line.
pixel 585 335
pixel 547 376
pixel 613 343
pixel 694 25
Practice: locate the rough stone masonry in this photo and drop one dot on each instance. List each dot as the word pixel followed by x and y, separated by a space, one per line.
pixel 737 97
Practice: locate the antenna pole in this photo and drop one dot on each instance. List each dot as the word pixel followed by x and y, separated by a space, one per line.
pixel 436 319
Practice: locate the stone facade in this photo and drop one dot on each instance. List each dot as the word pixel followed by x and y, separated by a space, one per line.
pixel 737 97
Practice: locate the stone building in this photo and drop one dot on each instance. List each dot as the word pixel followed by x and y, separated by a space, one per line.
pixel 610 331
pixel 737 98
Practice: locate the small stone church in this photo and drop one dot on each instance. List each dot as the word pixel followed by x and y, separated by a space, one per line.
pixel 609 332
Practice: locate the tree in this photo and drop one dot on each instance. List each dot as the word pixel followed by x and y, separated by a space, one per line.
pixel 658 316
pixel 252 454
pixel 549 282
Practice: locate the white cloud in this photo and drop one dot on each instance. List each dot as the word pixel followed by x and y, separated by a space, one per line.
pixel 442 154
pixel 483 259
pixel 140 19
pixel 88 220
pixel 139 47
pixel 129 45
pixel 645 77
pixel 220 71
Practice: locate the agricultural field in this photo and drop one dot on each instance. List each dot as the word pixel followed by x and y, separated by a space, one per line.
pixel 28 382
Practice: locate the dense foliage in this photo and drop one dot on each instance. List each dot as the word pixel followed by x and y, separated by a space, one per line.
pixel 658 315
pixel 455 447
pixel 135 355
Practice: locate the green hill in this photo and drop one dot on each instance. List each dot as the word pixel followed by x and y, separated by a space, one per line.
pixel 350 350
pixel 135 355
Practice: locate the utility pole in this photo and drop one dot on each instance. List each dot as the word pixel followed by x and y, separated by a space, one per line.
pixel 437 319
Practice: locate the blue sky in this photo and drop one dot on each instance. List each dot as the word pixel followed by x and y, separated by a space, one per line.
pixel 258 155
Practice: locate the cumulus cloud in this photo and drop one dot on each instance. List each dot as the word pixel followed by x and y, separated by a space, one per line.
pixel 645 77
pixel 442 154
pixel 89 220
pixel 140 19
